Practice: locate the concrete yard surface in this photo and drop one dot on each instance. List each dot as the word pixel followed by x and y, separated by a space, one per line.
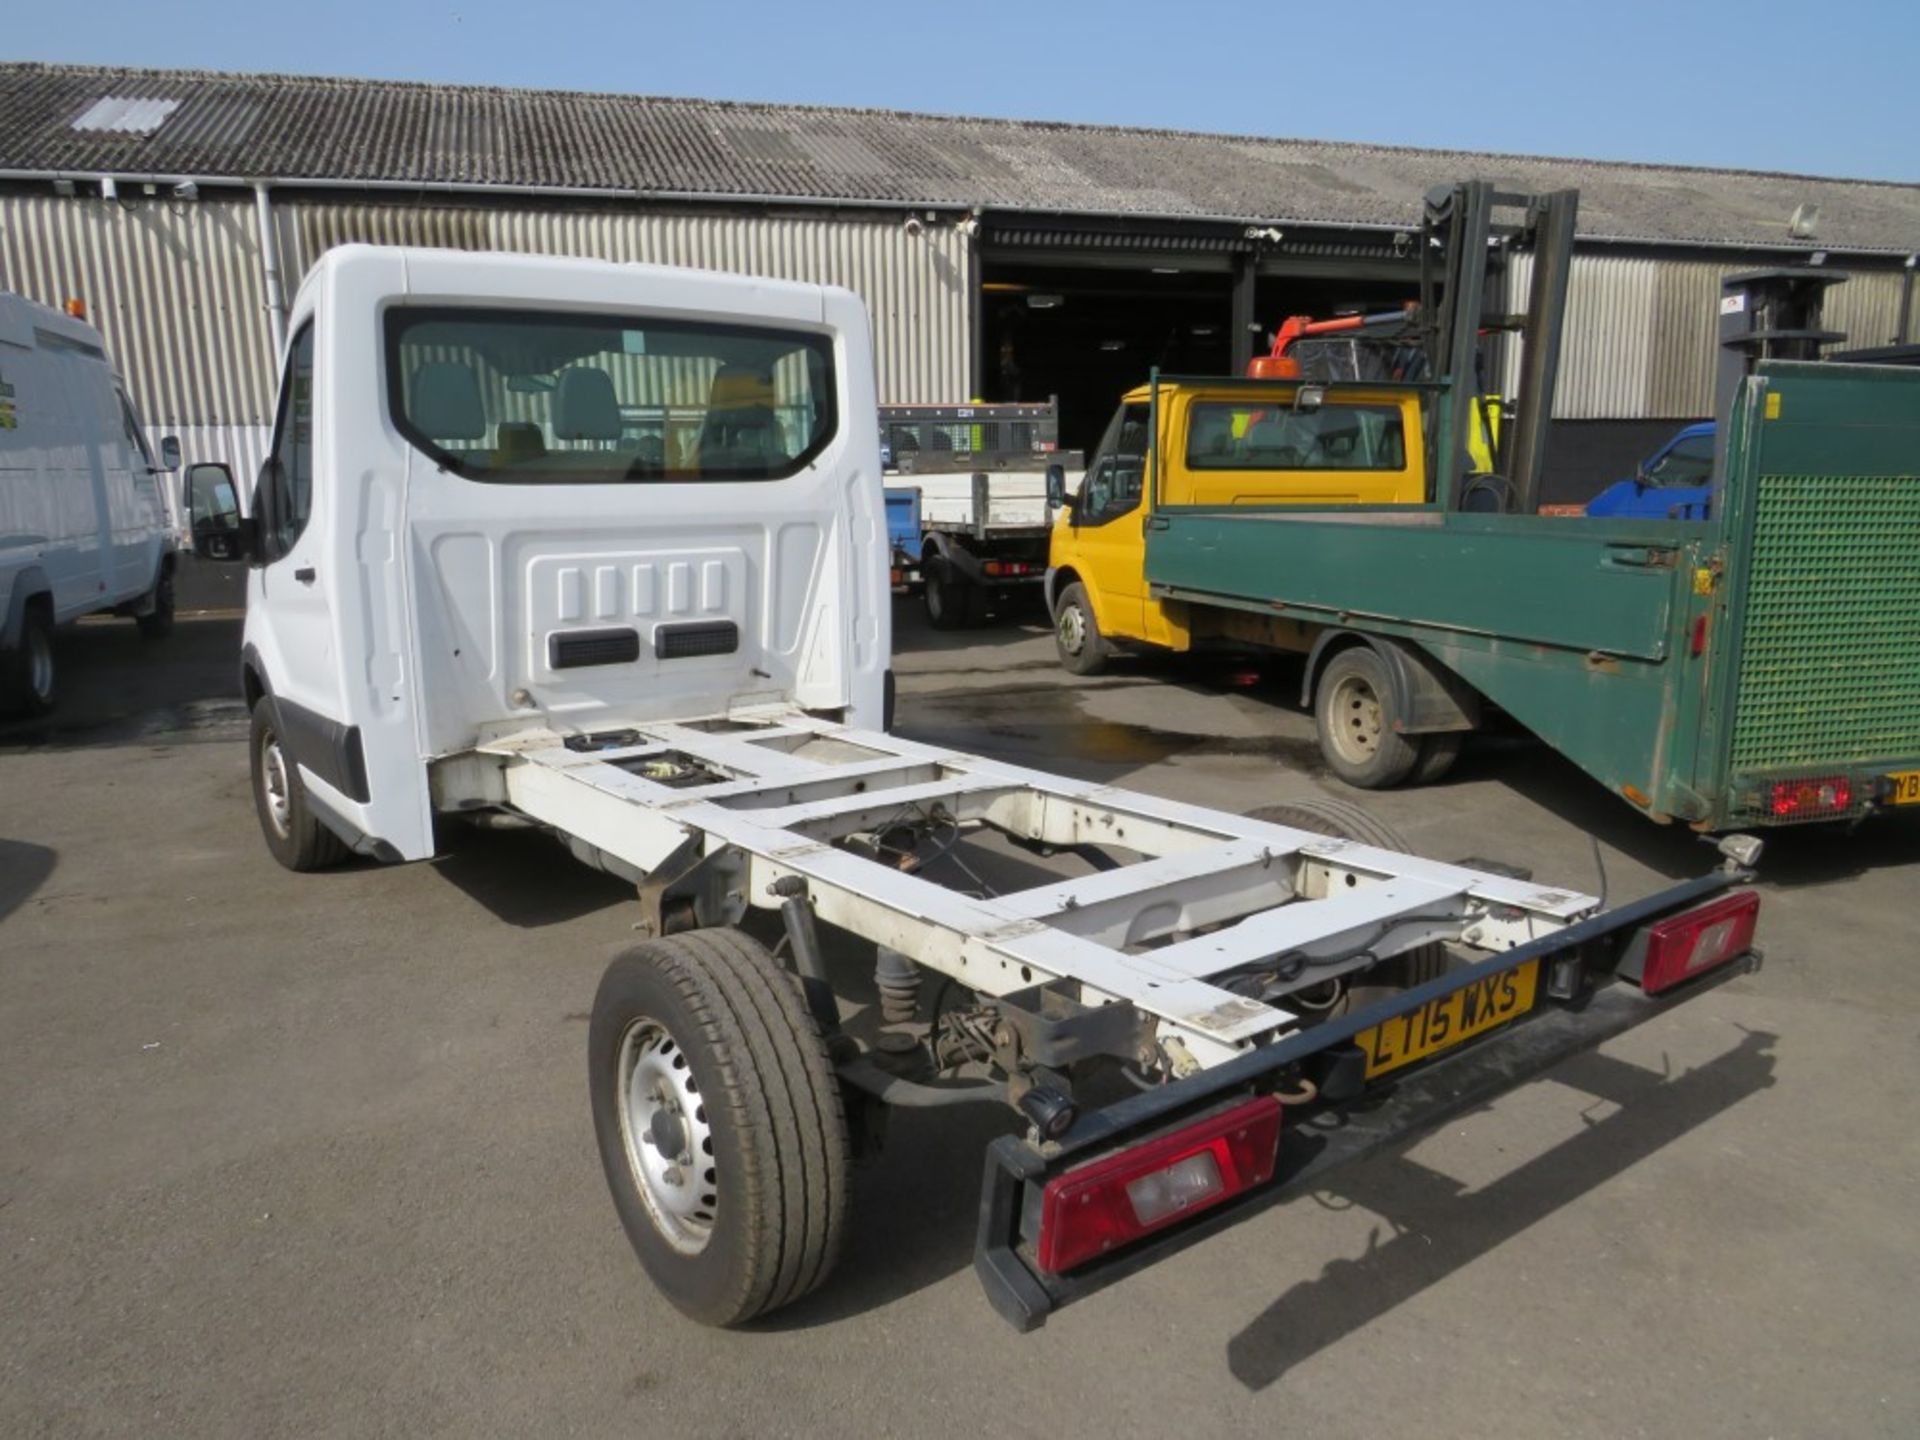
pixel 311 1155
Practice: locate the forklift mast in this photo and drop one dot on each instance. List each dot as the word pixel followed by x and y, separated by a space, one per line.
pixel 1464 242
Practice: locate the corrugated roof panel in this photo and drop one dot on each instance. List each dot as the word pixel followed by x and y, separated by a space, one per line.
pixel 365 130
pixel 125 116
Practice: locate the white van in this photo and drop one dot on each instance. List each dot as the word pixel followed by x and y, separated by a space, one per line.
pixel 83 514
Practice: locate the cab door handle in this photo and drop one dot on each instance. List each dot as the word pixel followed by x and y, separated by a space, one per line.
pixel 305 575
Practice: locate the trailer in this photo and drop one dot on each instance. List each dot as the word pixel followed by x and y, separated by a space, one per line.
pixel 967 503
pixel 681 675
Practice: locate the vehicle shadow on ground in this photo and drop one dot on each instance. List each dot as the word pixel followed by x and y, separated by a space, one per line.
pixel 913 633
pixel 1795 855
pixel 524 877
pixel 24 868
pixel 917 1207
pixel 1438 1225
pixel 115 688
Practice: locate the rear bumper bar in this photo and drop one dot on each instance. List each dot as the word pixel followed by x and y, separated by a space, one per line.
pixel 1317 1138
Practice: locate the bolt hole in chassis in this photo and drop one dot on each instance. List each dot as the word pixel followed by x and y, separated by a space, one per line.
pixel 1193 968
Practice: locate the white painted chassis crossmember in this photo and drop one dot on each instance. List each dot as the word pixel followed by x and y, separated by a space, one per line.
pixel 1214 893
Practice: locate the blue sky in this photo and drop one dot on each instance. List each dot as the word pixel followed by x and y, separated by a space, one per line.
pixel 1678 82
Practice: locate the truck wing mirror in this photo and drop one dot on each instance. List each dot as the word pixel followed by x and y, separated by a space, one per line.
pixel 169 452
pixel 1056 486
pixel 213 513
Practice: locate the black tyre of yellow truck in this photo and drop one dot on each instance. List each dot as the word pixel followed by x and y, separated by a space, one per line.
pixel 1083 650
pixel 1354 716
pixel 720 1124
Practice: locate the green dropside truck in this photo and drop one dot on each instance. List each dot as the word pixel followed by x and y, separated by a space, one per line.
pixel 1761 667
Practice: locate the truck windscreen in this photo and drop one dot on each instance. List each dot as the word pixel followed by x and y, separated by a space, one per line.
pixel 533 397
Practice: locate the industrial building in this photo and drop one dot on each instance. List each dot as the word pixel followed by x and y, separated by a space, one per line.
pixel 999 259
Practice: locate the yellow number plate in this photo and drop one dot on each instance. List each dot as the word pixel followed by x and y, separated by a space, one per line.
pixel 1441 1024
pixel 1906 787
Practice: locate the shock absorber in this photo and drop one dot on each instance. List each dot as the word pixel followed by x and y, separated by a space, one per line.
pixel 898 980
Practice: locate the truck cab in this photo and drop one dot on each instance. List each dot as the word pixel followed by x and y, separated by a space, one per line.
pixel 1219 444
pixel 506 490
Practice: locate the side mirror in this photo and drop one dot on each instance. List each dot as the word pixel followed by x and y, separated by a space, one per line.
pixel 1056 486
pixel 169 452
pixel 213 513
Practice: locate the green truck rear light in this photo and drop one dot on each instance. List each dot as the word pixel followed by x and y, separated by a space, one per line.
pixel 1807 799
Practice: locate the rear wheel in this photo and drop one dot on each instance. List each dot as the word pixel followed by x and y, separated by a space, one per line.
pixel 1353 712
pixel 720 1124
pixel 294 834
pixel 952 600
pixel 1076 634
pixel 27 672
pixel 1325 816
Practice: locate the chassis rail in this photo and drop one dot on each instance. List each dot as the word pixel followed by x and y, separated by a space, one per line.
pixel 1317 1138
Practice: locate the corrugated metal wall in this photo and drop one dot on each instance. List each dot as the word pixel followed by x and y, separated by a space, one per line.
pixel 1642 334
pixel 175 285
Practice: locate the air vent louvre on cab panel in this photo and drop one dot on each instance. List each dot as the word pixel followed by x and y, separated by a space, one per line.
pixel 698 637
pixel 571 649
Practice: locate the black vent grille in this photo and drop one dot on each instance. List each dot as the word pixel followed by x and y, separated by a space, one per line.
pixel 701 637
pixel 571 649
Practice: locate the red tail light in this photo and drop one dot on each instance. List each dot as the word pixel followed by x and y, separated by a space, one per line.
pixel 1686 945
pixel 1106 1203
pixel 1803 799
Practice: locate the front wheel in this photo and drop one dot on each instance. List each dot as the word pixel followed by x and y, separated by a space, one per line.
pixel 294 835
pixel 1354 715
pixel 720 1124
pixel 1076 634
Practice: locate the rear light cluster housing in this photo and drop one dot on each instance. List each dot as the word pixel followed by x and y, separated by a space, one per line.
pixel 1693 942
pixel 1810 799
pixel 1116 1199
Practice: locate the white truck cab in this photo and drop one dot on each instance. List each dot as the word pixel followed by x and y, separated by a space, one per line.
pixel 600 549
pixel 511 490
pixel 84 526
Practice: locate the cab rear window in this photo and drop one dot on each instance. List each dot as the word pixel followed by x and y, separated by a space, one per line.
pixel 1241 436
pixel 531 397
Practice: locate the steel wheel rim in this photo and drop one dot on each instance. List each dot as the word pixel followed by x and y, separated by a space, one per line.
pixel 39 662
pixel 277 784
pixel 1357 719
pixel 1072 629
pixel 663 1122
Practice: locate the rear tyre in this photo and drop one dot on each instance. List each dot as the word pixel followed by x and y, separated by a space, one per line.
pixel 1339 818
pixel 157 623
pixel 1076 634
pixel 294 834
pixel 27 674
pixel 1354 715
pixel 720 1124
pixel 951 599
pixel 1438 751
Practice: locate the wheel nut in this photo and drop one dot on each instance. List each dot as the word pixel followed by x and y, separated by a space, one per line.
pixel 672 1175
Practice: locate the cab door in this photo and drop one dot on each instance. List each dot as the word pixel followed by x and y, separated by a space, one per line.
pixel 302 605
pixel 1109 525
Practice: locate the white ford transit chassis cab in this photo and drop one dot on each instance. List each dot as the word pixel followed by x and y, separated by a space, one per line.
pixel 83 517
pixel 600 549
